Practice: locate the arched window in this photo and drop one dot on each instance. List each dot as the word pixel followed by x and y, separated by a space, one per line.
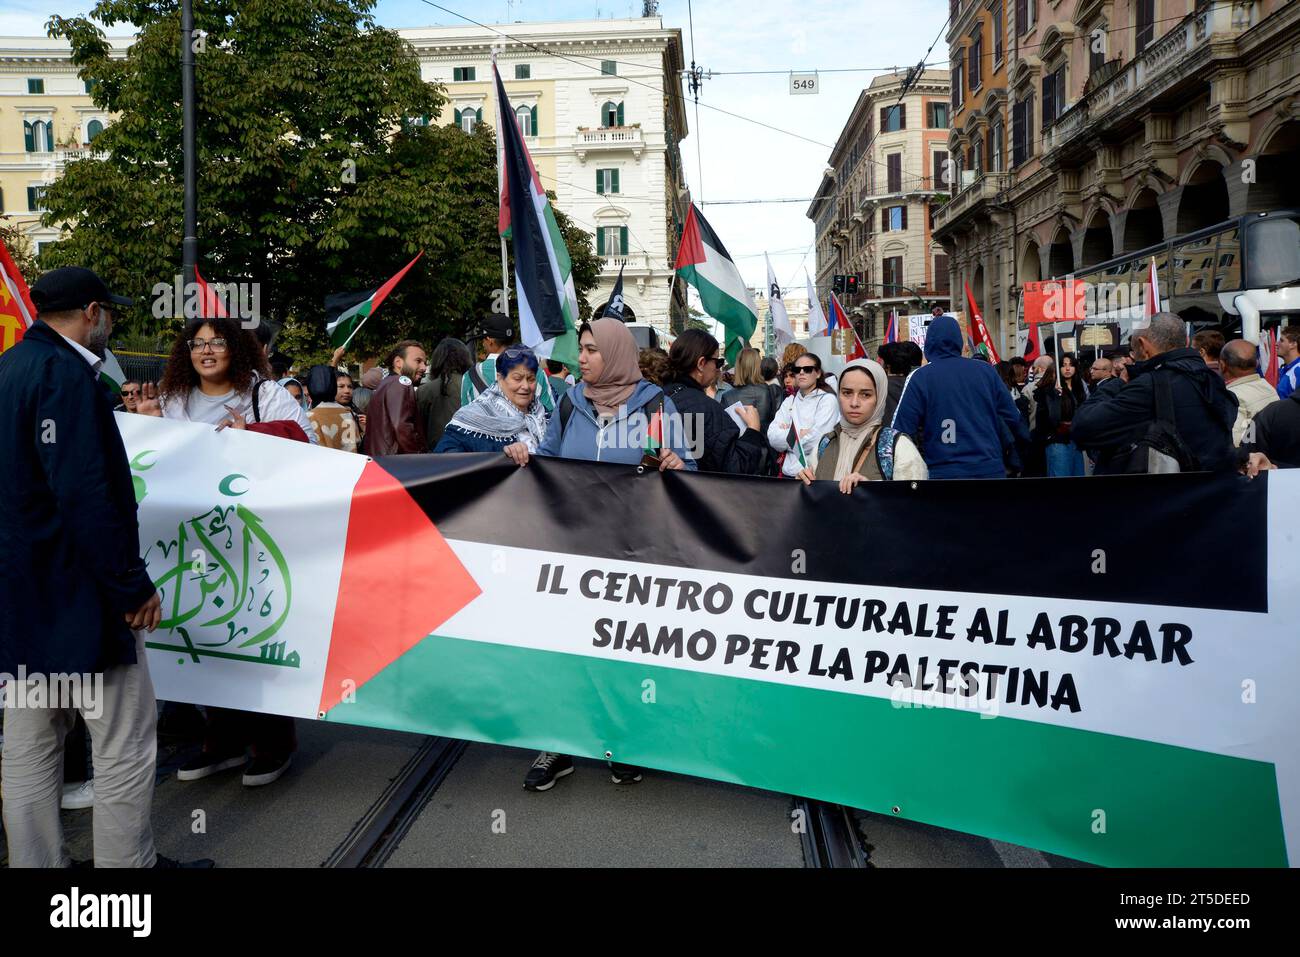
pixel 93 129
pixel 468 119
pixel 525 117
pixel 38 137
pixel 611 114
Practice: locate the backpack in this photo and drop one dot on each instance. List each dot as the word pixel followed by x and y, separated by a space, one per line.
pixel 886 440
pixel 1161 449
pixel 566 409
pixel 476 377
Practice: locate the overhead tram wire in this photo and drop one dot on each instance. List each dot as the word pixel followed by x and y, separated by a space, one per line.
pixel 660 91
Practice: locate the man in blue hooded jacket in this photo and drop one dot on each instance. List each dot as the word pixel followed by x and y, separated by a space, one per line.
pixel 957 410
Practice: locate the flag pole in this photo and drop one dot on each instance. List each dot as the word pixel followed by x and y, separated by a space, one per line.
pixel 505 271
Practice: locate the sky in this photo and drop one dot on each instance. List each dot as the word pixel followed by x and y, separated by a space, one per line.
pixel 725 158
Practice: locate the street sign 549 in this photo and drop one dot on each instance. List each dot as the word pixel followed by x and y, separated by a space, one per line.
pixel 803 83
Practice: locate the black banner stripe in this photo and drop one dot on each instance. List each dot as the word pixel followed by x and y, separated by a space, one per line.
pixel 1197 541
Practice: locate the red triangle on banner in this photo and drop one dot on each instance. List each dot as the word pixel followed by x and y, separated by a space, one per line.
pixel 400 581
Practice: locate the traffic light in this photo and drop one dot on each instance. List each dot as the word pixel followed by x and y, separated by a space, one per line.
pixel 851 283
pixel 837 283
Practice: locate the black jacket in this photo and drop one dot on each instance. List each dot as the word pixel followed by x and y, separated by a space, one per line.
pixel 895 383
pixel 1277 432
pixel 1204 411
pixel 721 447
pixel 68 530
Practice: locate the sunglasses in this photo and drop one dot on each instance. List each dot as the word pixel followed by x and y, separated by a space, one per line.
pixel 716 360
pixel 800 370
pixel 130 391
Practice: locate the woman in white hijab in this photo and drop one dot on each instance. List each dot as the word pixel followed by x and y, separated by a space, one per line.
pixel 861 448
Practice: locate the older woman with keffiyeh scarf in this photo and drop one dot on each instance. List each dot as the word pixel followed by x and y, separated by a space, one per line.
pixel 860 448
pixel 506 417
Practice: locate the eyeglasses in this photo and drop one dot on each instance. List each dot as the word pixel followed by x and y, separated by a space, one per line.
pixel 800 370
pixel 216 345
pixel 130 391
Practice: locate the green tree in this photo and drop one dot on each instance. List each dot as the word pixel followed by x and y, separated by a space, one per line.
pixel 320 170
pixel 20 249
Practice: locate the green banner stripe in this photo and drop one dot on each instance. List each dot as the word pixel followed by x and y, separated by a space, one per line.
pixel 734 315
pixel 1020 781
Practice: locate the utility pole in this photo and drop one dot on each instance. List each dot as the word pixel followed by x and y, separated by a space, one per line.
pixel 190 242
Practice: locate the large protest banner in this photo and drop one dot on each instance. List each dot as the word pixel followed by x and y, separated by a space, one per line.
pixel 1123 693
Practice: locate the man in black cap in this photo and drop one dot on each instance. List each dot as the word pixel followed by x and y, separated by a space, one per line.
pixel 76 597
pixel 497 333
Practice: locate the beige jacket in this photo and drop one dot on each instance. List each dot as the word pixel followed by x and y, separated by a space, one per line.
pixel 1252 393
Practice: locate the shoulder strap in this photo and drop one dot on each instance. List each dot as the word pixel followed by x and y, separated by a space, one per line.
pixel 566 412
pixel 476 377
pixel 257 388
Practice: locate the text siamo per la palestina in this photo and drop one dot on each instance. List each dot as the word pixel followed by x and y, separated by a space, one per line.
pixel 1163 643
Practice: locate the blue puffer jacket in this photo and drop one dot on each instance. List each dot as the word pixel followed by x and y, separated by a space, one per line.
pixel 623 440
pixel 955 405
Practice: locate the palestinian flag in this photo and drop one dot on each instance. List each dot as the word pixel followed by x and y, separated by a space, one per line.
pixel 346 312
pixel 16 310
pixel 703 262
pixel 544 290
pixel 1116 691
pixel 796 447
pixel 654 439
pixel 844 341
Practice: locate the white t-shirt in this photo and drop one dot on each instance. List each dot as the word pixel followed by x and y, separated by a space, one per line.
pixel 273 402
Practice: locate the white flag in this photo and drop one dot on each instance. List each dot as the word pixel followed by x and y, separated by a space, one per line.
pixel 816 318
pixel 776 308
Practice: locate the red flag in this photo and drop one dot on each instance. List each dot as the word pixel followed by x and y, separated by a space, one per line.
pixel 16 310
pixel 977 325
pixel 1034 347
pixel 841 329
pixel 210 306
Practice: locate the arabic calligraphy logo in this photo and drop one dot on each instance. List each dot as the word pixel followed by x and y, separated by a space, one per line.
pixel 226 588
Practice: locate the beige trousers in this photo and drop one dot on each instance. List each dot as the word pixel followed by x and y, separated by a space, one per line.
pixel 124 747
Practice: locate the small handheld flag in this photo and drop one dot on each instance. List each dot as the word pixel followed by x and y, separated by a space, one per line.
pixel 891 330
pixel 979 333
pixel 792 440
pixel 347 312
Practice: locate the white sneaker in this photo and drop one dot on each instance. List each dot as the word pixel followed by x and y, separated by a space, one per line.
pixel 77 797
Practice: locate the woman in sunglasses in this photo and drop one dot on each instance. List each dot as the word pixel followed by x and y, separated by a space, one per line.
pixel 217 374
pixel 506 417
pixel 803 418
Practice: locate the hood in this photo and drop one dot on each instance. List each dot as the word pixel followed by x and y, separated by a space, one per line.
pixel 943 338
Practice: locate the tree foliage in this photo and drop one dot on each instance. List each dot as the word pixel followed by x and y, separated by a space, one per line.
pixel 320 170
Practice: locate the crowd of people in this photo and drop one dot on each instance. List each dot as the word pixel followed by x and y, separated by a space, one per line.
pixel 1160 404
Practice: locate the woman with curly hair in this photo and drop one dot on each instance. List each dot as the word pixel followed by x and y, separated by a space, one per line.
pixel 217 373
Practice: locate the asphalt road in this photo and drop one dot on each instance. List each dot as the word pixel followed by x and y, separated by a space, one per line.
pixel 480 816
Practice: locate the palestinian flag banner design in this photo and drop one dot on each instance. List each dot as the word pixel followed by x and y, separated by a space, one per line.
pixel 1122 701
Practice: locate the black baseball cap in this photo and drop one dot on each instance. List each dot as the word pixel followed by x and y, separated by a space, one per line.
pixel 496 326
pixel 72 287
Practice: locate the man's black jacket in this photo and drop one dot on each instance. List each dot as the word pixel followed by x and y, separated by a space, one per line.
pixel 68 529
pixel 1204 411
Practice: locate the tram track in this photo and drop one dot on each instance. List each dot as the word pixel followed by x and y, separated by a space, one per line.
pixel 373 839
pixel 830 836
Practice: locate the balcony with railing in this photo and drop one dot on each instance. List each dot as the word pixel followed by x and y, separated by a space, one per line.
pixel 61 156
pixel 1156 69
pixel 609 138
pixel 984 189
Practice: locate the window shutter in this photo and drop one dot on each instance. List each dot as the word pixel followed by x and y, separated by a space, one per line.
pixel 458 117
pixel 902 116
pixel 1060 90
pixel 884 119
pixel 600 182
pixel 1029 125
pixel 620 113
pixel 904 217
pixel 884 219
pixel 28 140
pixel 600 240
pixel 615 177
pixel 1049 99
pixel 622 240
pixel 478 115
pixel 534 112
